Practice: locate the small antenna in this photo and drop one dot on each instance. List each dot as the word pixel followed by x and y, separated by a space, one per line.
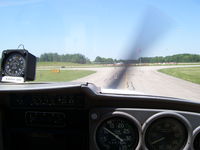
pixel 20 45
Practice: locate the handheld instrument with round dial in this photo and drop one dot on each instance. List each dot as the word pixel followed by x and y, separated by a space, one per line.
pixel 17 65
pixel 117 132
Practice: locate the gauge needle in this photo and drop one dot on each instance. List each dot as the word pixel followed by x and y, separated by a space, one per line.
pixel 116 136
pixel 156 141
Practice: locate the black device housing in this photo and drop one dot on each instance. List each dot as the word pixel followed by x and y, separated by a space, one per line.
pixel 30 63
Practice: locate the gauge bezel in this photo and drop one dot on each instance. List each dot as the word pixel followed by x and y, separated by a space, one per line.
pixel 195 133
pixel 122 115
pixel 159 115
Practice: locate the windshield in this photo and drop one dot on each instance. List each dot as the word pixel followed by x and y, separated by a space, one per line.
pixel 147 46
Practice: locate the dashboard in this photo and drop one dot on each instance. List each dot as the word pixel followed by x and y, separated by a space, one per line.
pixel 63 116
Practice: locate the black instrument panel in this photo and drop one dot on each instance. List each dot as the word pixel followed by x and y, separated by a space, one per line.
pixel 47 100
pixel 79 116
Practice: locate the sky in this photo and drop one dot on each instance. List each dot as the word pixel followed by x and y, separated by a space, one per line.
pixel 106 28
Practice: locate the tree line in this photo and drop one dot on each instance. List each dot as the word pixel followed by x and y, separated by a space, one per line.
pixel 55 57
pixel 81 59
pixel 178 58
pixel 102 60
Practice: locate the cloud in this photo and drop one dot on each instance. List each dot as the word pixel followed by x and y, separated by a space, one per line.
pixel 8 3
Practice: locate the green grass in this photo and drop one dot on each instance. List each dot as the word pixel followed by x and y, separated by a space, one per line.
pixel 58 64
pixel 63 75
pixel 191 74
pixel 177 64
pixel 75 65
pixel 68 65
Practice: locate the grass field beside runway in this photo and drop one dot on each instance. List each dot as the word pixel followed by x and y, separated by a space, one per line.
pixel 76 65
pixel 69 65
pixel 63 75
pixel 191 74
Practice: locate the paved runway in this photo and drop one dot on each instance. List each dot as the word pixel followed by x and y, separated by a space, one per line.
pixel 146 79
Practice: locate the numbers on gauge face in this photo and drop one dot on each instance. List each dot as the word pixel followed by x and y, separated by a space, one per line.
pixel 166 134
pixel 117 133
pixel 14 65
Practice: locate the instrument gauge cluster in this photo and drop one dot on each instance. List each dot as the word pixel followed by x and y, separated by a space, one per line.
pixel 124 131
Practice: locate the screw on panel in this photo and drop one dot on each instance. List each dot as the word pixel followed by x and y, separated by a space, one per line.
pixel 94 116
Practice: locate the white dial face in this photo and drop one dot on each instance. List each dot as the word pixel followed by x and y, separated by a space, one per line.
pixel 117 133
pixel 14 65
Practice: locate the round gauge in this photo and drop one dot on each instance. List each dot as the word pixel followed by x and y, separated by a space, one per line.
pixel 117 132
pixel 166 132
pixel 196 139
pixel 14 65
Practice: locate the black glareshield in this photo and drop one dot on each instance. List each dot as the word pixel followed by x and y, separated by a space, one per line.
pixel 18 63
